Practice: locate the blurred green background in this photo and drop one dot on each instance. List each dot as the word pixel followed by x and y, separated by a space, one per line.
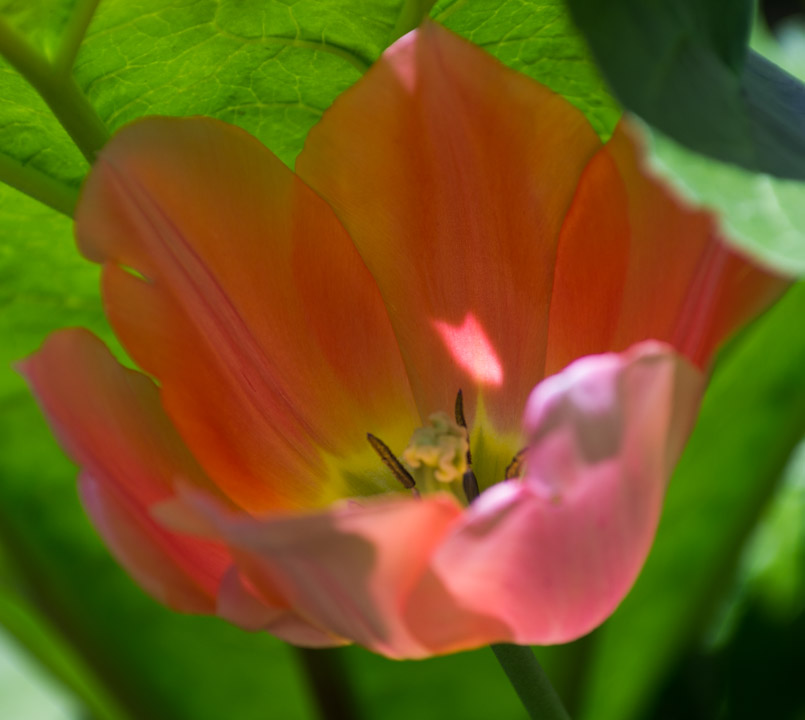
pixel 715 627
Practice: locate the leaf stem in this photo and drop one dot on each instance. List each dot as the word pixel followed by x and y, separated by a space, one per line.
pixel 54 194
pixel 530 682
pixel 62 94
pixel 73 36
pixel 329 683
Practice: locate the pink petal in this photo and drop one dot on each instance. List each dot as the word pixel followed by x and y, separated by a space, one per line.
pixel 555 553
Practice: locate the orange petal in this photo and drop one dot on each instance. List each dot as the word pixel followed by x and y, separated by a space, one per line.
pixel 110 422
pixel 635 263
pixel 452 174
pixel 250 305
pixel 592 267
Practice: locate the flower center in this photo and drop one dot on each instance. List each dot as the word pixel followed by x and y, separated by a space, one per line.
pixel 437 452
pixel 438 457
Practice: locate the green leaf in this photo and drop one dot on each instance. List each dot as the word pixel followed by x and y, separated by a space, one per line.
pixel 32 631
pixel 683 66
pixel 538 39
pixel 43 24
pixel 726 127
pixel 31 137
pixel 270 67
pixel 26 691
pixel 773 565
pixel 752 418
pixel 761 214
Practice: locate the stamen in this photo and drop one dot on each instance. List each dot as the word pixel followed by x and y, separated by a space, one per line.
pixel 515 467
pixel 468 481
pixel 391 462
pixel 460 420
pixel 470 484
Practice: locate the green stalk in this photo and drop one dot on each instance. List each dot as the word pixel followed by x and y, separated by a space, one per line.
pixel 73 35
pixel 530 682
pixel 60 92
pixel 329 683
pixel 41 187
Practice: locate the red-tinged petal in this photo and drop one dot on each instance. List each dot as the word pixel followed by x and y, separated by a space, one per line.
pixel 553 554
pixel 592 267
pixel 110 422
pixel 635 263
pixel 252 308
pixel 182 573
pixel 452 174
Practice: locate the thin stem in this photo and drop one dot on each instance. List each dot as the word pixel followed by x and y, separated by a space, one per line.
pixel 39 186
pixel 73 36
pixel 329 683
pixel 530 682
pixel 411 15
pixel 62 94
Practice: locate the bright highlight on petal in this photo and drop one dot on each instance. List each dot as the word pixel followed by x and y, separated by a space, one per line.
pixel 454 228
pixel 472 350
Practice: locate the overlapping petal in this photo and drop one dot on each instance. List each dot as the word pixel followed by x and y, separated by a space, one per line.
pixel 556 553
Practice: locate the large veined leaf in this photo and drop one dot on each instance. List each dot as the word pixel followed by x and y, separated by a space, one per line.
pixel 684 66
pixel 538 39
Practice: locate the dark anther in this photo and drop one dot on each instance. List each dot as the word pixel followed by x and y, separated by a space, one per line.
pixel 462 422
pixel 516 465
pixel 460 410
pixel 470 483
pixel 391 462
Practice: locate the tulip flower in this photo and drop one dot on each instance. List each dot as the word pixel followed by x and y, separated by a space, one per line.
pixel 423 394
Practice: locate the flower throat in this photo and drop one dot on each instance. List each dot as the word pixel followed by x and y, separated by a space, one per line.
pixel 438 455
